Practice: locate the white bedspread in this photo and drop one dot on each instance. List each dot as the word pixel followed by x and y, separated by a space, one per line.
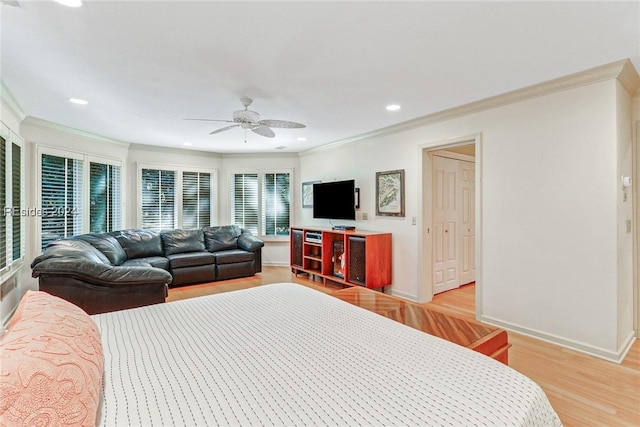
pixel 286 355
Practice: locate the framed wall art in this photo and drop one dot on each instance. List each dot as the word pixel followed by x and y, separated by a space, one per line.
pixel 307 193
pixel 390 193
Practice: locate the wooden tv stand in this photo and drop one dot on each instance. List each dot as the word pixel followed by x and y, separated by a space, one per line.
pixel 348 257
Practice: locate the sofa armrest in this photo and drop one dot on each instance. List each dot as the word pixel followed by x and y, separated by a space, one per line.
pixel 249 242
pixel 99 273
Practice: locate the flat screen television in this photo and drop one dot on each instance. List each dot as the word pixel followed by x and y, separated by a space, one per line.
pixel 334 200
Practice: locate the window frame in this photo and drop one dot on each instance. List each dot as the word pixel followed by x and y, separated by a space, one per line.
pixel 13 265
pixel 178 183
pixel 261 206
pixel 109 162
pixel 87 159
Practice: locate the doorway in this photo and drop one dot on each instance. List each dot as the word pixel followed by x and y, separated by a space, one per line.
pixel 449 240
pixel 453 225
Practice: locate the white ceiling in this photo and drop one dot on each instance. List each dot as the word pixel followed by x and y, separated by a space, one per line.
pixel 144 66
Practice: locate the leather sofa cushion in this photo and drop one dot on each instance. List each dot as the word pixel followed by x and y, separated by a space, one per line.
pixel 233 256
pixel 232 271
pixel 152 261
pixel 140 243
pixel 181 241
pixel 190 259
pixel 107 244
pixel 249 242
pixel 73 250
pixel 221 238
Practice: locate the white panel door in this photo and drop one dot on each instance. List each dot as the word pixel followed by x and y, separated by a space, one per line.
pixel 467 222
pixel 446 260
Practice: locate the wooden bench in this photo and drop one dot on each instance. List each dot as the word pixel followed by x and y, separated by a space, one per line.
pixel 488 340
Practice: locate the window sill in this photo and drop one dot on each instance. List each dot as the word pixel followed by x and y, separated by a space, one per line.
pixel 274 239
pixel 11 270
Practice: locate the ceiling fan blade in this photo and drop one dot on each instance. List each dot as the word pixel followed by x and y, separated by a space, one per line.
pixel 263 130
pixel 212 120
pixel 223 129
pixel 281 124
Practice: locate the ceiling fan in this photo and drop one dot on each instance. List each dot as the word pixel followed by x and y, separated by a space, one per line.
pixel 250 120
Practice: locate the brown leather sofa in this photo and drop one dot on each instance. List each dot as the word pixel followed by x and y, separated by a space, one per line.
pixel 131 268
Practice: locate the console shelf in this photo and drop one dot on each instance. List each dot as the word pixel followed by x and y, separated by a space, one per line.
pixel 349 257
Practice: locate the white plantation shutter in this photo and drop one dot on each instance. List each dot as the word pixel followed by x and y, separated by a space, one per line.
pixel 3 202
pixel 196 199
pixel 276 204
pixel 16 200
pixel 105 198
pixel 244 201
pixel 62 193
pixel 158 199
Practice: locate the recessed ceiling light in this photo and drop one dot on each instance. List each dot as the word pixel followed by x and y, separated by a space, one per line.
pixel 70 3
pixel 187 144
pixel 393 107
pixel 302 139
pixel 78 101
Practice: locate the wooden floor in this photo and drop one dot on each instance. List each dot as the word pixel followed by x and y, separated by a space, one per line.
pixel 584 390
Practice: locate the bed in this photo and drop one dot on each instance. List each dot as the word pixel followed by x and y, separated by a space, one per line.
pixel 274 355
pixel 287 355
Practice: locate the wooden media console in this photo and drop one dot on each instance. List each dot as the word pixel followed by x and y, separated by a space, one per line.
pixel 348 257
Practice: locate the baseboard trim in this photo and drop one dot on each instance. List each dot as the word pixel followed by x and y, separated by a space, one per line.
pixel 412 298
pixel 611 356
pixel 275 264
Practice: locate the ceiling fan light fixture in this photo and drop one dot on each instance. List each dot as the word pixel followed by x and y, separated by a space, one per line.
pixel 250 120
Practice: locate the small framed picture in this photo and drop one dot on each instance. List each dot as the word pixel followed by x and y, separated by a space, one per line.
pixel 390 193
pixel 307 193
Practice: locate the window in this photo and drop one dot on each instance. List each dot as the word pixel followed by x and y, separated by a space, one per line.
pixel 79 194
pixel 244 201
pixel 196 199
pixel 16 200
pixel 175 198
pixel 158 199
pixel 276 197
pixel 260 202
pixel 105 198
pixel 3 201
pixel 11 198
pixel 62 198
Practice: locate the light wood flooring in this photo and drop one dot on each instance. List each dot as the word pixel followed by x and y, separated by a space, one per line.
pixel 584 390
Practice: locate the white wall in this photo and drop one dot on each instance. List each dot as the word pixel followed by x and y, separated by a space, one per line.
pixel 276 250
pixel 550 212
pixel 161 156
pixel 625 214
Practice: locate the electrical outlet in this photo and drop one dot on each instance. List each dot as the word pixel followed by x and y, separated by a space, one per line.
pixel 365 216
pixel 413 220
pixel 628 226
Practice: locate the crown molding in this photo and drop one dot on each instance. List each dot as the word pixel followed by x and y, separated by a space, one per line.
pixel 629 78
pixel 44 124
pixel 623 70
pixel 10 101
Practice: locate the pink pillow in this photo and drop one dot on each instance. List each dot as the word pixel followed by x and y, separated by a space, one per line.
pixel 51 364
